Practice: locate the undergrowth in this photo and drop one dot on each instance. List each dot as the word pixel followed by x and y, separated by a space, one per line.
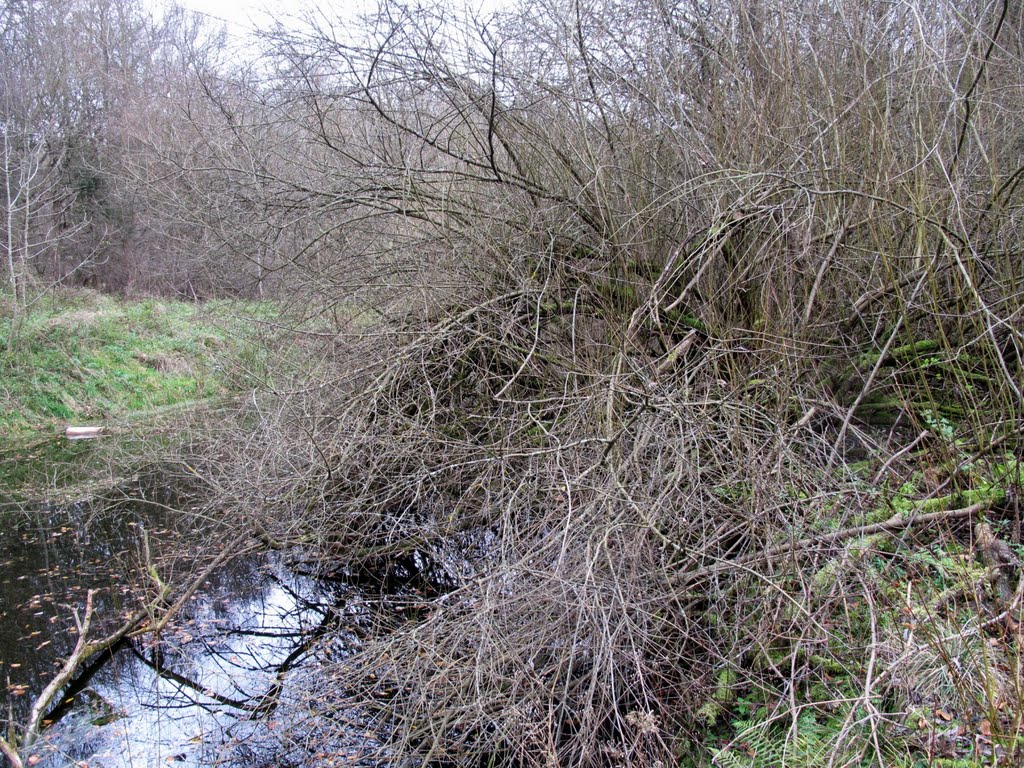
pixel 705 391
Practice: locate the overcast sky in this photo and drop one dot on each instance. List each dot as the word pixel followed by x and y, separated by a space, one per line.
pixel 242 15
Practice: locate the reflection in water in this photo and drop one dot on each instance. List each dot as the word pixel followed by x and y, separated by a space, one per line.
pixel 230 682
pixel 50 555
pixel 212 690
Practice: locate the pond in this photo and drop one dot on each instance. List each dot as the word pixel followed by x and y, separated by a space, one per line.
pixel 216 687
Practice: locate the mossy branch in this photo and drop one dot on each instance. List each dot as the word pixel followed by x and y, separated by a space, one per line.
pixel 894 524
pixel 899 354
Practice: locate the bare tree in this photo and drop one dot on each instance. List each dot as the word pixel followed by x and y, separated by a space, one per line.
pixel 647 282
pixel 92 90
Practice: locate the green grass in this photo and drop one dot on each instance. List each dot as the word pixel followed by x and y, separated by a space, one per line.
pixel 82 356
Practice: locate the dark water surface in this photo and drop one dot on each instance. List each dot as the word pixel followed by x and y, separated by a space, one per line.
pixel 214 689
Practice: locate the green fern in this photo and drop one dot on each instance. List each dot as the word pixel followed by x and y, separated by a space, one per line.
pixel 763 743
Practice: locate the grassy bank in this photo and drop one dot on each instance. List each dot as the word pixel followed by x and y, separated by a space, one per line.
pixel 83 356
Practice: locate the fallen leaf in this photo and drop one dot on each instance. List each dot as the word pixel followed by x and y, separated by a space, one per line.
pixel 944 714
pixel 985 727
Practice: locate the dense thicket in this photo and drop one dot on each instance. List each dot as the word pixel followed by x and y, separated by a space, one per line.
pixel 678 344
pixel 696 324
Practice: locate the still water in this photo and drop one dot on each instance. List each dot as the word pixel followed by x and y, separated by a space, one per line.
pixel 217 687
